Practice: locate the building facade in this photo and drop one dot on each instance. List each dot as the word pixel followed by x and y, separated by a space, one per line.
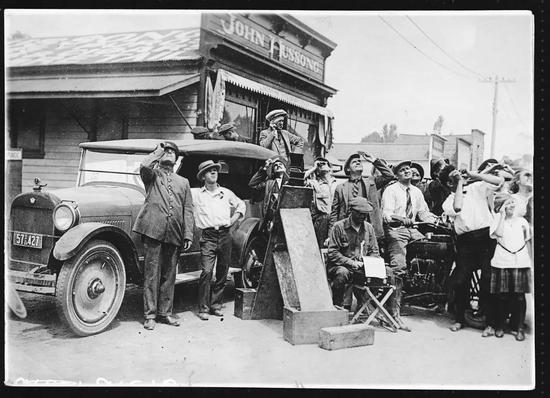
pixel 159 84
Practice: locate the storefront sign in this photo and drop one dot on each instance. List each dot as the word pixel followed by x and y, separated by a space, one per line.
pixel 14 154
pixel 262 41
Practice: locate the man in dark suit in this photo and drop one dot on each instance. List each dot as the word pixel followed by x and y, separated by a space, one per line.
pixel 166 224
pixel 277 139
pixel 269 180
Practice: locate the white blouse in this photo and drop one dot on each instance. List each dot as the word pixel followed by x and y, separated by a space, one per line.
pixel 515 233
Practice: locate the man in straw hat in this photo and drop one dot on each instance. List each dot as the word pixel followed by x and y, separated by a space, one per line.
pixel 277 139
pixel 165 223
pixel 213 205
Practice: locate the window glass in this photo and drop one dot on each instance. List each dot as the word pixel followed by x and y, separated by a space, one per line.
pixel 244 118
pixel 29 125
pixel 307 132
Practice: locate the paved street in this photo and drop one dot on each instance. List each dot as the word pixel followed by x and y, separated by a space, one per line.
pixel 232 352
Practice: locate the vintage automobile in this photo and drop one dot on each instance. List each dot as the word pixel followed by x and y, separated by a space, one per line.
pixel 77 243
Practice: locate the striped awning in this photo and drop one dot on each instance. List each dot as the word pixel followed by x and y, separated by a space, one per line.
pixel 251 85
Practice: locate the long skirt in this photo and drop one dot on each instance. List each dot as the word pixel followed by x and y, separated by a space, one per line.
pixel 510 280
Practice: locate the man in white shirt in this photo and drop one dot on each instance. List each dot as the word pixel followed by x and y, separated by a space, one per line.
pixel 213 205
pixel 402 204
pixel 470 208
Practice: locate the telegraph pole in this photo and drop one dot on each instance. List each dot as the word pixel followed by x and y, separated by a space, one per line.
pixel 496 80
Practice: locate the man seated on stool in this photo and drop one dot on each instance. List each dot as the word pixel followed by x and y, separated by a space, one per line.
pixel 345 260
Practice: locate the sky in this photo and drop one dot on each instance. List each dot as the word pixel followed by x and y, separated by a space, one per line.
pixel 405 68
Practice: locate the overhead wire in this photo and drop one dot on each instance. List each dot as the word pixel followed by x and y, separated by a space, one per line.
pixel 422 52
pixel 443 50
pixel 514 107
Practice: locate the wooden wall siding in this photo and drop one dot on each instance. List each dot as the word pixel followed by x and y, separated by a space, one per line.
pixel 158 118
pixel 147 118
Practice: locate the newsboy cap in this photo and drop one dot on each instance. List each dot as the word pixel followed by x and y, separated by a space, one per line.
pixel 225 127
pixel 205 166
pixel 275 114
pixel 360 204
pixel 199 130
pixel 348 161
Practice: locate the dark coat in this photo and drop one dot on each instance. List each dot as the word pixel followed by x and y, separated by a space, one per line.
pixel 167 213
pixel 371 185
pixel 260 181
pixel 292 142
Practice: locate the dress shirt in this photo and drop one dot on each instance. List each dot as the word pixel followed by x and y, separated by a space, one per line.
pixel 394 202
pixel 213 209
pixel 323 193
pixel 515 232
pixel 345 243
pixel 475 213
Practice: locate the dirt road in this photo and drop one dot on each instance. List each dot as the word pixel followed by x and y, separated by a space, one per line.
pixel 231 352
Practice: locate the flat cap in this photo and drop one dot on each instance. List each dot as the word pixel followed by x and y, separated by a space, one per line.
pixel 199 130
pixel 225 127
pixel 360 204
pixel 274 114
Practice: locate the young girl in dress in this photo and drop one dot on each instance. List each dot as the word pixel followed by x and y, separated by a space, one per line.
pixel 510 268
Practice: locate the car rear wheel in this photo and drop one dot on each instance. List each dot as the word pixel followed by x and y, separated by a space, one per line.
pixel 90 288
pixel 252 264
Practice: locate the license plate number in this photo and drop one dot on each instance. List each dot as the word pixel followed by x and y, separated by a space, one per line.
pixel 27 240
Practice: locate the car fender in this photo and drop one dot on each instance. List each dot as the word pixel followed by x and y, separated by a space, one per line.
pixel 240 236
pixel 73 240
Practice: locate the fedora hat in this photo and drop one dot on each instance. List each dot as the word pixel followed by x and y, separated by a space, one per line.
pixel 225 127
pixel 419 168
pixel 275 114
pixel 205 166
pixel 348 161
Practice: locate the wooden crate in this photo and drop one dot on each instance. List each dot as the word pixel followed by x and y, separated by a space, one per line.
pixel 302 327
pixel 335 338
pixel 244 299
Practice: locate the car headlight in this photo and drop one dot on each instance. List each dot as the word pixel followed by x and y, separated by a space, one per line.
pixel 64 217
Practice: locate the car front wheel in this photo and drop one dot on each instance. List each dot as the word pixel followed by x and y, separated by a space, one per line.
pixel 252 264
pixel 90 288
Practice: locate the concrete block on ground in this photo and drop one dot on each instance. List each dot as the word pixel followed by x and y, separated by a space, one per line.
pixel 302 327
pixel 244 299
pixel 335 338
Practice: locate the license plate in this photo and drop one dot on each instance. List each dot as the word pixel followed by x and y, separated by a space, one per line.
pixel 27 240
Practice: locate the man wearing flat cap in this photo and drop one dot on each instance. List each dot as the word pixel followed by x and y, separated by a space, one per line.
pixel 345 259
pixel 216 210
pixel 320 178
pixel 229 133
pixel 202 133
pixel 165 222
pixel 277 139
pixel 269 180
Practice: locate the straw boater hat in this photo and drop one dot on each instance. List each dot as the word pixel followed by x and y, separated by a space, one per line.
pixel 205 166
pixel 275 114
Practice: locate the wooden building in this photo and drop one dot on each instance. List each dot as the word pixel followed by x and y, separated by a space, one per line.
pixel 62 91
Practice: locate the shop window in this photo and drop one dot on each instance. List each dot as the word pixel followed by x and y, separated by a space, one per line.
pixel 308 132
pixel 27 129
pixel 243 116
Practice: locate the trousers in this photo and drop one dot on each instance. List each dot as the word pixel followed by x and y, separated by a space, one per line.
pixel 320 225
pixel 215 250
pixel 397 240
pixel 159 277
pixel 474 250
pixel 340 280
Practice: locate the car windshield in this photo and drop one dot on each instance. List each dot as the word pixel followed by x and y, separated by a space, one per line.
pixel 110 167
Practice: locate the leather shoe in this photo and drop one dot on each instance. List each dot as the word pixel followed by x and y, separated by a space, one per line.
pixel 203 316
pixel 499 333
pixel 455 327
pixel 520 336
pixel 149 324
pixel 168 320
pixel 488 331
pixel 216 312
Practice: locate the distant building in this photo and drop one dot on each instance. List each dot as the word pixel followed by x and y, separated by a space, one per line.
pixel 465 151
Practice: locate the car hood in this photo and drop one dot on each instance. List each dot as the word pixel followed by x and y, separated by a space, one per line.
pixel 101 200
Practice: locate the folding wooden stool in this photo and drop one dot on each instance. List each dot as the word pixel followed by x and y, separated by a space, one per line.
pixel 372 306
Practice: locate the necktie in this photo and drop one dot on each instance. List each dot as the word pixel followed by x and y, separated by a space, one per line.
pixel 355 189
pixel 409 210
